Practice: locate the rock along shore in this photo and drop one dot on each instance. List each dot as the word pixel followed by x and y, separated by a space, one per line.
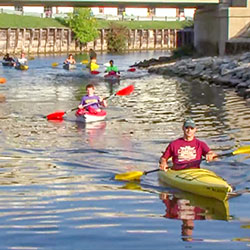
pixel 229 71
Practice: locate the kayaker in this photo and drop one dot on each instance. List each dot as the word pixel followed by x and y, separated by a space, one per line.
pixel 186 152
pixel 112 69
pixel 93 66
pixel 92 102
pixel 8 58
pixel 22 60
pixel 92 55
pixel 70 60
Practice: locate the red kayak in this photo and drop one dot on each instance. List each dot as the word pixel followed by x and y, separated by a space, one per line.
pixel 83 115
pixel 112 76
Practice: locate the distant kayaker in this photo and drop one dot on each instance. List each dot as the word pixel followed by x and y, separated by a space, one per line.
pixel 93 66
pixel 186 152
pixel 92 54
pixel 22 60
pixel 92 102
pixel 70 60
pixel 112 69
pixel 8 58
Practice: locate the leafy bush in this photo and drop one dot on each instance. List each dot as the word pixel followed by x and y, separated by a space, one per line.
pixel 117 37
pixel 83 25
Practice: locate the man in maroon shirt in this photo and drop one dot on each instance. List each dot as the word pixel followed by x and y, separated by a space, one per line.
pixel 186 152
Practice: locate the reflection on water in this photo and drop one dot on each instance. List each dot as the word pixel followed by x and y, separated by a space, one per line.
pixel 56 179
pixel 188 208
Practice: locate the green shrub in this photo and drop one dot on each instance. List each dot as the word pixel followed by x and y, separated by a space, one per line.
pixel 117 37
pixel 83 25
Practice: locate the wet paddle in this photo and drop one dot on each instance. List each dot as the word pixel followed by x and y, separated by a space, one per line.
pixel 59 114
pixel 131 70
pixel 136 175
pixel 55 64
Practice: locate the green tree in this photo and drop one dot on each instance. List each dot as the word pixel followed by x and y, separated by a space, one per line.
pixel 83 25
pixel 117 37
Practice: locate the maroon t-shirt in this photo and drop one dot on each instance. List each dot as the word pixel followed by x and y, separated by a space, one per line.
pixel 186 154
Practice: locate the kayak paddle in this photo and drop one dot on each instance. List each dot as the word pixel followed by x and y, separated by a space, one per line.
pixel 84 62
pixel 59 114
pixel 30 58
pixel 135 175
pixel 131 70
pixel 55 64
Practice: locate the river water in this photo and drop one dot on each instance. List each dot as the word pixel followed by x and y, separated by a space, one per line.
pixel 57 187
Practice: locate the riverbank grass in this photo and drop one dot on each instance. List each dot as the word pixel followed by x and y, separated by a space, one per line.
pixel 16 21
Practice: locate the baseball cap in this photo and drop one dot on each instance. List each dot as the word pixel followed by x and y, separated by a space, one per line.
pixel 189 123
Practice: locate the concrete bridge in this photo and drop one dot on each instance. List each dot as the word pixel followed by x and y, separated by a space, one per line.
pixel 215 21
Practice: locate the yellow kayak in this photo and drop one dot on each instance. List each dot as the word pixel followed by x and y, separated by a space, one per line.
pixel 22 67
pixel 197 181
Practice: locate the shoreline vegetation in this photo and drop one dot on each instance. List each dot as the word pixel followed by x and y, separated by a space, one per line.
pixel 78 33
pixel 229 71
pixel 16 21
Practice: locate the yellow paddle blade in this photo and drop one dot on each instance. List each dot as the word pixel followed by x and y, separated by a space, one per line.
pixel 30 58
pixel 84 61
pixel 129 176
pixel 106 64
pixel 242 150
pixel 54 64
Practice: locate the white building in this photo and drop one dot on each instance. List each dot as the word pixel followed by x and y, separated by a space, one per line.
pixel 129 12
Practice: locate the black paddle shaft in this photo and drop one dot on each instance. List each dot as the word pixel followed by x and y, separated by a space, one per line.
pixel 151 171
pixel 158 169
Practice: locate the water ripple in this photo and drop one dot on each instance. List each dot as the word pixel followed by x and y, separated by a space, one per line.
pixel 57 187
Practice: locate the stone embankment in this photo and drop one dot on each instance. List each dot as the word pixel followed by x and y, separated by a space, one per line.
pixel 230 71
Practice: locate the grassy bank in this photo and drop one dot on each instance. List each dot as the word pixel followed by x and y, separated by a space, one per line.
pixel 16 21
pixel 148 24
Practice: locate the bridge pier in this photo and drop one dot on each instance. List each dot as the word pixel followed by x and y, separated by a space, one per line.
pixel 215 25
